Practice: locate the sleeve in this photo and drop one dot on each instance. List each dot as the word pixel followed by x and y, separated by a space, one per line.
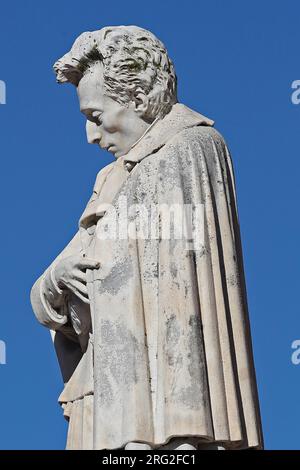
pixel 50 304
pixel 48 301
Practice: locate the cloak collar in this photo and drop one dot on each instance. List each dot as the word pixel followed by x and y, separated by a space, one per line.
pixel 179 118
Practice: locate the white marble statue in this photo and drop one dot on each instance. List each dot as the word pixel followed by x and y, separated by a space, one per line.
pixel 150 326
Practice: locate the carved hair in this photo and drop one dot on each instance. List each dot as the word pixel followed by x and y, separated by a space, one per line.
pixel 133 60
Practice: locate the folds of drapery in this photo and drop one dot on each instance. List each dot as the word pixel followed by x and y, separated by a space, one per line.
pixel 172 344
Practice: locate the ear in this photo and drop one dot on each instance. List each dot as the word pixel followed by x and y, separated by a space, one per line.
pixel 141 102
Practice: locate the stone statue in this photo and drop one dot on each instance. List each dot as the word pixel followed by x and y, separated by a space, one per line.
pixel 150 327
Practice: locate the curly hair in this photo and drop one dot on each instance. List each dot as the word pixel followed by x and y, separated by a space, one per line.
pixel 133 59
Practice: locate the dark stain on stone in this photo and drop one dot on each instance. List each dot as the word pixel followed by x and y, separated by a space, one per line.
pixel 172 340
pixel 121 357
pixel 118 276
pixel 195 395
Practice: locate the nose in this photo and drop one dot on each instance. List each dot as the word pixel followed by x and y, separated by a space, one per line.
pixel 92 133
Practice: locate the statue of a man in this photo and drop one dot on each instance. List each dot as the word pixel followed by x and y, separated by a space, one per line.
pixel 151 330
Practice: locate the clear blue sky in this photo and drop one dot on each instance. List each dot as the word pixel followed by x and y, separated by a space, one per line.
pixel 235 63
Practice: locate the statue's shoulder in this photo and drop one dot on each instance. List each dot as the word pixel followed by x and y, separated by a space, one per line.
pixel 184 125
pixel 199 134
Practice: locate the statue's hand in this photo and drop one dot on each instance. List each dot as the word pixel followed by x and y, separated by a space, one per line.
pixel 70 273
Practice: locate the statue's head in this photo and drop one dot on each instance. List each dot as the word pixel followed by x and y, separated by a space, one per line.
pixel 124 79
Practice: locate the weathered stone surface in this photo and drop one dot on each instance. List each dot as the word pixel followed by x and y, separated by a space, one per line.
pixel 148 301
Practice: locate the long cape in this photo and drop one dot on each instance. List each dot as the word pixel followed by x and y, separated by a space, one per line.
pixel 172 344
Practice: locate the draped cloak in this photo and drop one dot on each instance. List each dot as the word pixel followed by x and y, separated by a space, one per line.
pixel 164 349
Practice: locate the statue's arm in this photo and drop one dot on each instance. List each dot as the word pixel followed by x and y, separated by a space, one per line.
pixel 48 301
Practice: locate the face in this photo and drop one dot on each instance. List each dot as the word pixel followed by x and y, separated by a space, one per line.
pixel 110 125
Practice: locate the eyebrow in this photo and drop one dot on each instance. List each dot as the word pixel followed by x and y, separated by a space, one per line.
pixel 87 110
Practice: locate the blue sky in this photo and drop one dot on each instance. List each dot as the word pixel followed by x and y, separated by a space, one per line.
pixel 235 63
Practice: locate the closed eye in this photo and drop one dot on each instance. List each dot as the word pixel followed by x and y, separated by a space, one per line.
pixel 93 115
